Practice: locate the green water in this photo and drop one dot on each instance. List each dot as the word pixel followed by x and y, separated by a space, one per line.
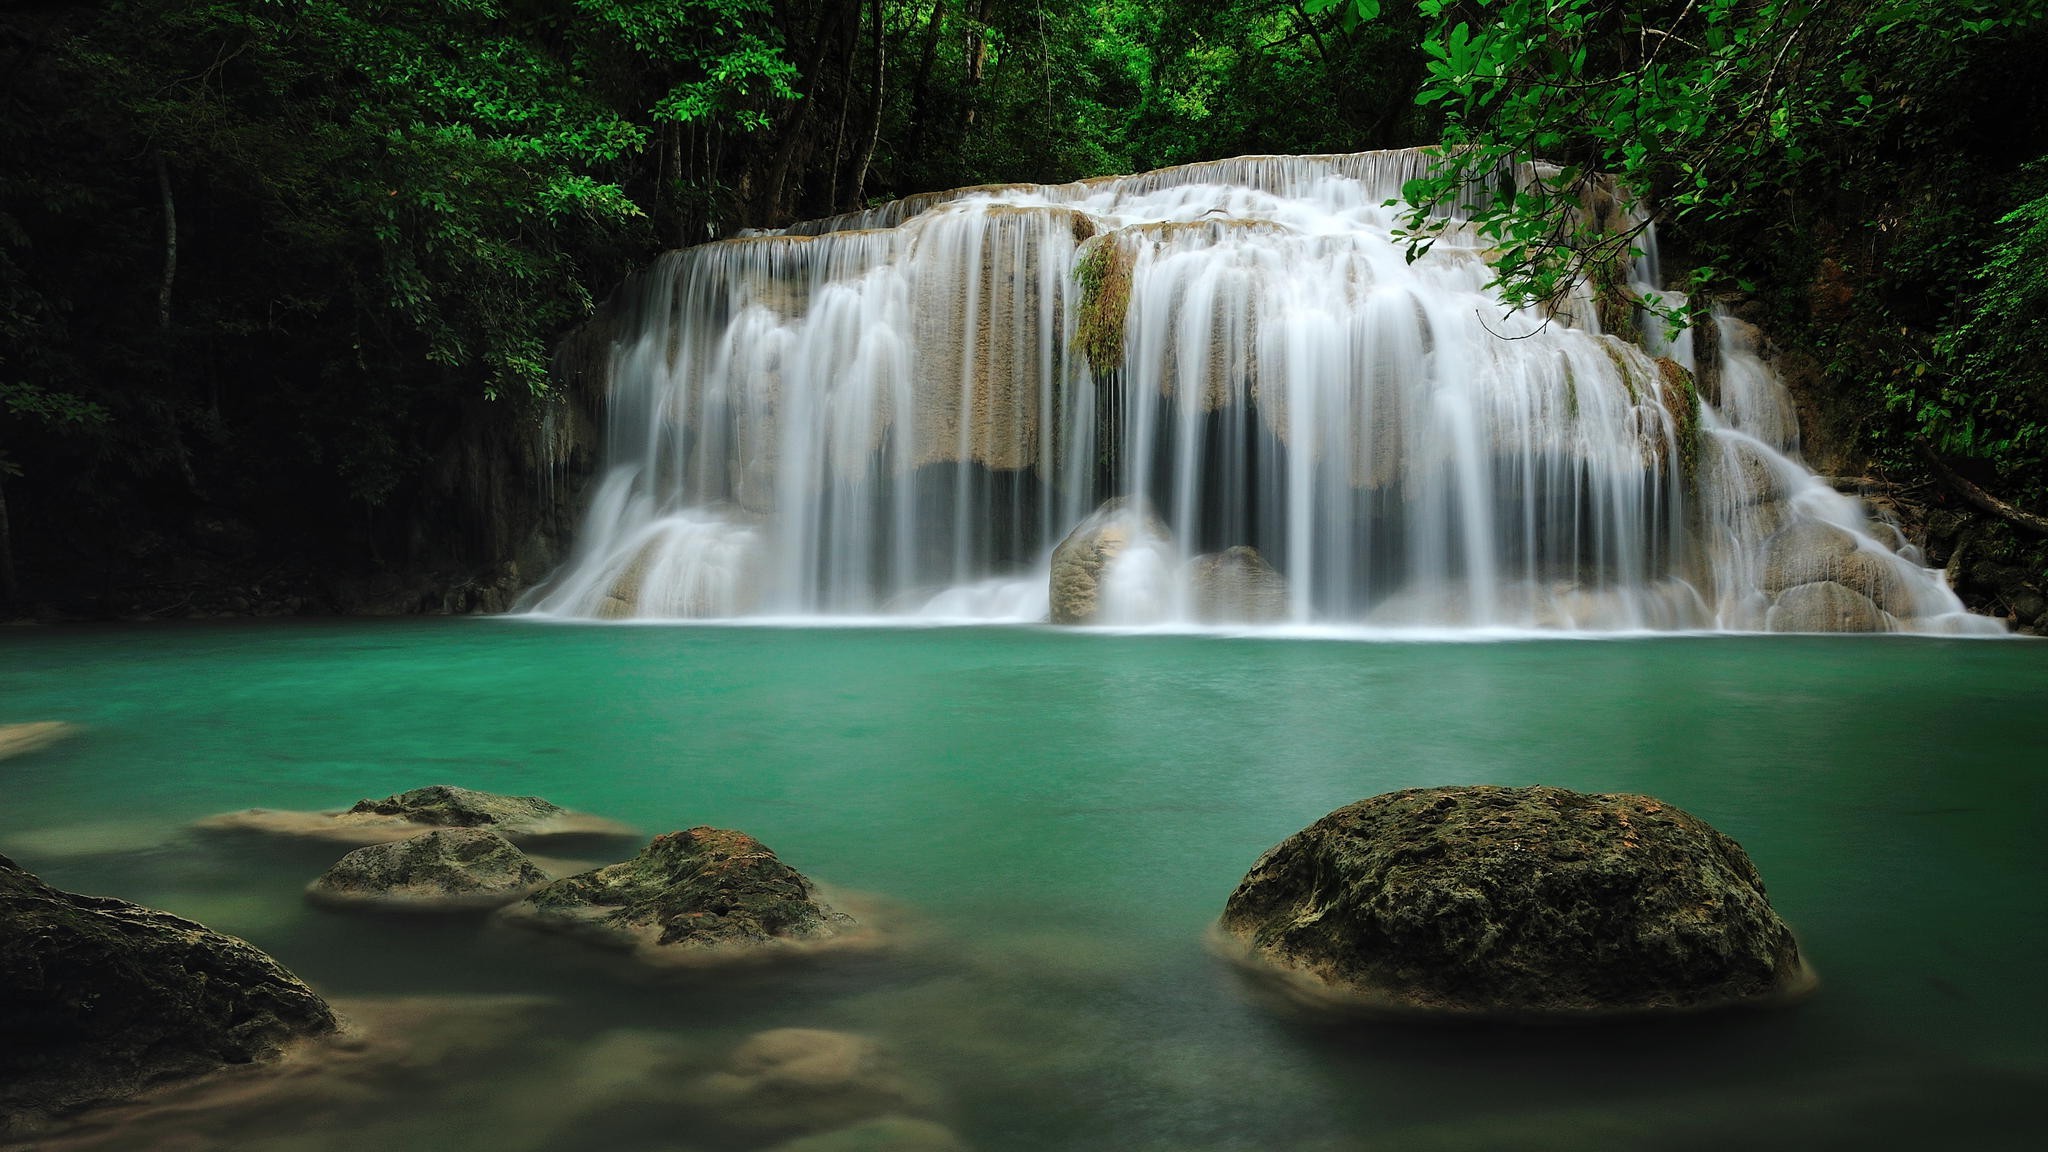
pixel 1056 818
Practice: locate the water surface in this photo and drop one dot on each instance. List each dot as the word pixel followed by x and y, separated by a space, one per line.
pixel 1058 817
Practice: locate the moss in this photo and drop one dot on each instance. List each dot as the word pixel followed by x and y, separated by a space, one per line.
pixel 1682 400
pixel 1614 303
pixel 1104 274
pixel 1623 369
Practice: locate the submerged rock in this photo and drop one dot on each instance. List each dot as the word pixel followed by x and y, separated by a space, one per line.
pixel 700 896
pixel 21 739
pixel 791 1080
pixel 407 814
pixel 1237 586
pixel 1515 902
pixel 448 868
pixel 1082 560
pixel 100 998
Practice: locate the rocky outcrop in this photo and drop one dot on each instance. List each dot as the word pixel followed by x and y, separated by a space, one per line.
pixel 705 895
pixel 1237 586
pixel 100 998
pixel 446 869
pixel 1825 606
pixel 1825 580
pixel 1514 902
pixel 407 814
pixel 1082 560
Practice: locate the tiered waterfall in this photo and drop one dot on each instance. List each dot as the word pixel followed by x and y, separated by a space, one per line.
pixel 1229 393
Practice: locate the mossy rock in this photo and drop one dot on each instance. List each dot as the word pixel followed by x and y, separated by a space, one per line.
pixel 407 814
pixel 1515 902
pixel 1086 554
pixel 697 895
pixel 446 806
pixel 446 869
pixel 100 998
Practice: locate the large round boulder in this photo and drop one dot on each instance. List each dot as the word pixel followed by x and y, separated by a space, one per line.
pixel 446 869
pixel 100 998
pixel 1514 902
pixel 1825 606
pixel 704 895
pixel 1082 563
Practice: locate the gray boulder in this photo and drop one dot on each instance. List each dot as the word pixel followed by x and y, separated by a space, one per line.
pixel 1080 561
pixel 1488 901
pixel 1237 586
pixel 446 869
pixel 100 998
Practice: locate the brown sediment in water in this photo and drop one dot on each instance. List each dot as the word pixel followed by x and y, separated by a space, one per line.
pixel 21 739
pixel 365 828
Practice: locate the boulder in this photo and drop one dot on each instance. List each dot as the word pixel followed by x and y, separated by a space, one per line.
pixel 407 814
pixel 1082 559
pixel 1742 473
pixel 794 1080
pixel 705 895
pixel 21 739
pixel 1237 586
pixel 1811 551
pixel 100 998
pixel 1536 902
pixel 1825 606
pixel 446 869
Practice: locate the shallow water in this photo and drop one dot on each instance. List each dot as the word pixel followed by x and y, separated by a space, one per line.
pixel 1056 818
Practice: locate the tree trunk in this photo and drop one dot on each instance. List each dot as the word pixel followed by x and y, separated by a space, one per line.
pixel 845 105
pixel 926 59
pixel 9 591
pixel 874 130
pixel 1981 498
pixel 163 295
pixel 829 22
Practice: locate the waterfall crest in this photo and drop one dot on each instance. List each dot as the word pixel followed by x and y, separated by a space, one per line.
pixel 1217 393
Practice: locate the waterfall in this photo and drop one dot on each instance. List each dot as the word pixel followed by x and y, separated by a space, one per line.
pixel 1218 393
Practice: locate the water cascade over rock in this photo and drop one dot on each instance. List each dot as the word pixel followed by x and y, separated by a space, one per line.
pixel 904 411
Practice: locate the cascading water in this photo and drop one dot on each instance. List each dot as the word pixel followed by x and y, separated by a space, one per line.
pixel 904 411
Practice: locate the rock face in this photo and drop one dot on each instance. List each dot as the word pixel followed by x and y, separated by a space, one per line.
pixel 1515 901
pixel 702 895
pixel 448 868
pixel 1082 559
pixel 407 814
pixel 1237 586
pixel 100 998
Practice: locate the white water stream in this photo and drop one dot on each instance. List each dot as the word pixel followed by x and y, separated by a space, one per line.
pixel 887 414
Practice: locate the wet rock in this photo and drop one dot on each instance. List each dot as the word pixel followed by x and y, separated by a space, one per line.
pixel 407 814
pixel 100 998
pixel 1812 551
pixel 1825 606
pixel 1742 473
pixel 705 895
pixel 794 1080
pixel 1514 902
pixel 1237 586
pixel 448 868
pixel 1079 563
